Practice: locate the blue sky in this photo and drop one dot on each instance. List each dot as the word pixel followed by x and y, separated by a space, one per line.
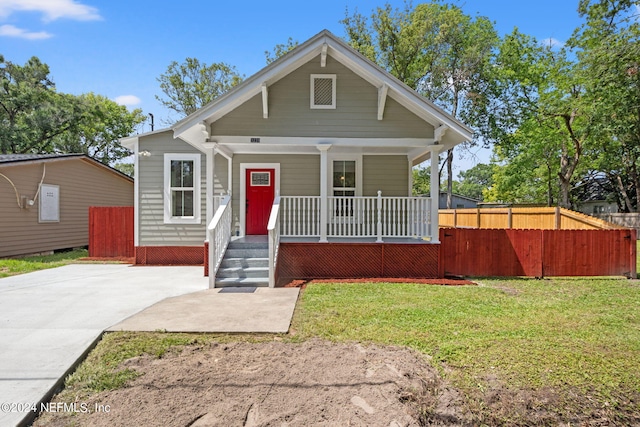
pixel 118 48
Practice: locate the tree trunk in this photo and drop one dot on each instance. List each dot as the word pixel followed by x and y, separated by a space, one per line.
pixel 549 186
pixel 624 193
pixel 568 162
pixel 636 183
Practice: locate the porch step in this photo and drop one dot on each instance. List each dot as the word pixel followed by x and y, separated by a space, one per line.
pixel 243 272
pixel 246 253
pixel 245 263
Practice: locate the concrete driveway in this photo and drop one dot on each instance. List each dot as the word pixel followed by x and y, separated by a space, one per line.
pixel 50 318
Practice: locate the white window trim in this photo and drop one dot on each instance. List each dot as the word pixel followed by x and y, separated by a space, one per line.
pixel 338 156
pixel 313 105
pixel 196 218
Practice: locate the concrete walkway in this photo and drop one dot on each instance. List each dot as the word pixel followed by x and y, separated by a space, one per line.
pixel 51 318
pixel 218 310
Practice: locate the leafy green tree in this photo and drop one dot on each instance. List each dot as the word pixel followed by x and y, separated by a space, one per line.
pixel 280 50
pixel 125 168
pixel 32 113
pixel 473 182
pixel 192 84
pixel 609 53
pixel 434 48
pixel 421 181
pixel 35 118
pixel 524 172
pixel 104 123
pixel 540 99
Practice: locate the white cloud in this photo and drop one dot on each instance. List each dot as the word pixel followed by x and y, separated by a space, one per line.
pixel 51 9
pixel 127 100
pixel 11 31
pixel 551 42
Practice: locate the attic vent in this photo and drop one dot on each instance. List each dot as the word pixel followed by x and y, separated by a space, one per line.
pixel 323 91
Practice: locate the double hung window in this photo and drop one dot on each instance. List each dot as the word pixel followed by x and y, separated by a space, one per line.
pixel 182 188
pixel 344 185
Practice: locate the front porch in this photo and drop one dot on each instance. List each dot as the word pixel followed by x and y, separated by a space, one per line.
pixel 337 237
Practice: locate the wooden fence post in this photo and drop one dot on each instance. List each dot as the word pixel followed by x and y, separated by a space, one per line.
pixel 558 222
pixel 633 273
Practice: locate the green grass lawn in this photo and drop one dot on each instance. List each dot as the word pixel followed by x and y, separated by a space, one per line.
pixel 11 267
pixel 577 340
pixel 578 335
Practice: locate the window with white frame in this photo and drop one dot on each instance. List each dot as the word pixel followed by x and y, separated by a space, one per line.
pixel 182 188
pixel 344 185
pixel 344 178
pixel 323 91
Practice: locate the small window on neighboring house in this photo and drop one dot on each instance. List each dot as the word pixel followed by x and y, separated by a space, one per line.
pixel 323 91
pixel 182 188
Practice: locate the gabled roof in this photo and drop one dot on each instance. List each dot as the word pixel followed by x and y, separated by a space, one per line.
pixel 456 132
pixel 20 159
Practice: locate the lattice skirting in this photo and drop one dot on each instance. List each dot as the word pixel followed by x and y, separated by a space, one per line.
pixel 170 255
pixel 356 260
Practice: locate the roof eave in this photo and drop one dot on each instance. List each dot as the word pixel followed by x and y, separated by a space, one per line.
pixel 344 53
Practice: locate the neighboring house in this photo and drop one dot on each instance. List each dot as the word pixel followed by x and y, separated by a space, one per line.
pixel 457 201
pixel 322 141
pixel 597 207
pixel 45 199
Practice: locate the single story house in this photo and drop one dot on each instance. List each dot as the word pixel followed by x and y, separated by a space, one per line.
pixel 45 200
pixel 457 201
pixel 308 162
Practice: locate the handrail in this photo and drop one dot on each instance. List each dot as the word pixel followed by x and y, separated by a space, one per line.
pixel 219 234
pixel 273 229
pixel 219 212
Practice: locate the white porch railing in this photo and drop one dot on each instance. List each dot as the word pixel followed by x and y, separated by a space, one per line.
pixel 219 235
pixel 273 229
pixel 300 216
pixel 359 217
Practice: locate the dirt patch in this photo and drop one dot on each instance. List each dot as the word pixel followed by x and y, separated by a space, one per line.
pixel 321 384
pixel 276 384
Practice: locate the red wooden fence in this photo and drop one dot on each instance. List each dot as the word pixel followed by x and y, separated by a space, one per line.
pixel 111 232
pixel 537 253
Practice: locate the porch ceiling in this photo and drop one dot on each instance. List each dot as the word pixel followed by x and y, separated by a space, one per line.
pixel 416 150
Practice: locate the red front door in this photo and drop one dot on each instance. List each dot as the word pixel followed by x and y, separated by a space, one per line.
pixel 260 194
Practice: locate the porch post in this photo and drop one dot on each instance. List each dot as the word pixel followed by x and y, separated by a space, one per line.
pixel 435 193
pixel 323 190
pixel 410 178
pixel 211 162
pixel 210 171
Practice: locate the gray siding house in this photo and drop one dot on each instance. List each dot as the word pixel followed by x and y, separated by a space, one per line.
pixel 45 200
pixel 318 146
